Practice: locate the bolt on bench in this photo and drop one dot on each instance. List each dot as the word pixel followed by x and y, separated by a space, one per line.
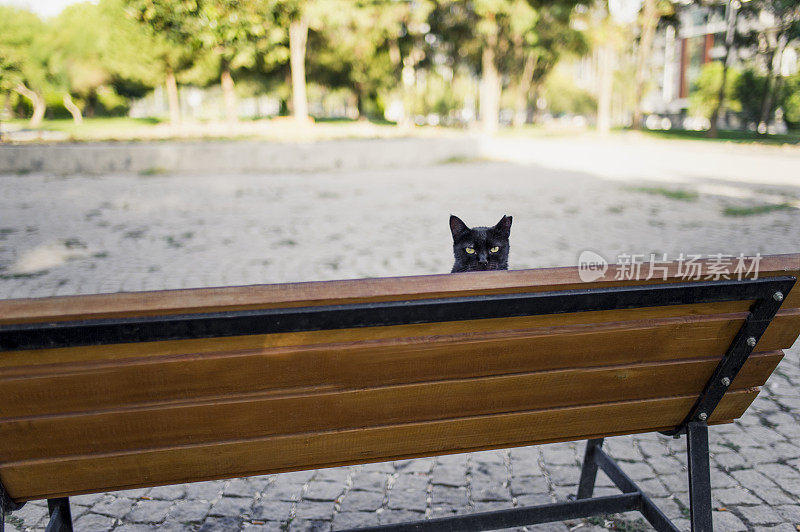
pixel 118 391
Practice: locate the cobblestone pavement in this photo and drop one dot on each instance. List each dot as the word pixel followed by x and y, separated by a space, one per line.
pixel 68 235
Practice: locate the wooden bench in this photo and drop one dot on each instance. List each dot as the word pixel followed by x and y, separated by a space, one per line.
pixel 119 391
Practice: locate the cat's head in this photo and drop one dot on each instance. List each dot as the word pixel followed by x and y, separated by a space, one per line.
pixel 480 248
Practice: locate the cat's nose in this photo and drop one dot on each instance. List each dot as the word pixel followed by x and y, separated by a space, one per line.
pixel 483 259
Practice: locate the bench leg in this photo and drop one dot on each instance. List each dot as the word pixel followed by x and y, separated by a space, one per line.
pixel 60 515
pixel 699 477
pixel 589 469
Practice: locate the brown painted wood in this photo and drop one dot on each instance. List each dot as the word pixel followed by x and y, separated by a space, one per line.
pixel 351 291
pixel 427 330
pixel 26 391
pixel 42 478
pixel 319 411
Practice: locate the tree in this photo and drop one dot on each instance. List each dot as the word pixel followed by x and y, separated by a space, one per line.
pixel 23 64
pixel 234 35
pixel 165 23
pixel 539 40
pixel 96 53
pixel 779 25
pixel 355 49
pixel 652 11
pixel 704 99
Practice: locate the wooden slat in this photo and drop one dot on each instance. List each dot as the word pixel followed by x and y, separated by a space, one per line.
pixel 205 345
pixel 199 422
pixel 50 477
pixel 339 292
pixel 26 391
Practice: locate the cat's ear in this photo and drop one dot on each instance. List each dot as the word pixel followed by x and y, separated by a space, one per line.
pixel 503 227
pixel 457 227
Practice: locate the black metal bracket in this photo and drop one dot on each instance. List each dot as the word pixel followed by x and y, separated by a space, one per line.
pixel 760 316
pixel 22 336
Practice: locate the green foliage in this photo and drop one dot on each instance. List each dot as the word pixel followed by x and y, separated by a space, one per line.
pixel 23 53
pixel 705 94
pixel 749 90
pixel 790 101
pixel 564 97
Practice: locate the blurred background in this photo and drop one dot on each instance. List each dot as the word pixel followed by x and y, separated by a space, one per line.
pixel 175 68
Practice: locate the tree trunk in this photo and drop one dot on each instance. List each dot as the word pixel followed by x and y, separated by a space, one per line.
pixel 605 59
pixel 73 109
pixel 39 106
pixel 229 94
pixel 650 18
pixel 298 36
pixel 765 117
pixel 731 11
pixel 173 101
pixel 524 89
pixel 490 83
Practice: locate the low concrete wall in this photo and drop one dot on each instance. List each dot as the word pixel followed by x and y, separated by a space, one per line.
pixel 231 156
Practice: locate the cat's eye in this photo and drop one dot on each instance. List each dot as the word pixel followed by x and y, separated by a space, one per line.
pixel 495 249
pixel 470 250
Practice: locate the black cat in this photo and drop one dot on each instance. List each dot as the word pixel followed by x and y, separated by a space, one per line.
pixel 480 248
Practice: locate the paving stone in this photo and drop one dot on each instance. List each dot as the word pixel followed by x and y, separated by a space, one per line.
pixel 243 487
pixel 784 527
pixel 231 507
pixel 336 474
pixel 86 500
pixel 399 516
pixel 314 511
pixel 728 522
pixel 361 501
pixel 323 491
pixel 149 511
pixel 370 481
pixel 753 480
pixel 735 496
pixel 775 496
pixel 490 493
pixel 759 515
pixel 412 482
pixel 347 520
pixel 207 491
pixel 534 499
pixel 189 511
pixel 304 525
pixel 420 465
pixel 167 493
pixel 564 476
pixel 30 515
pixel 408 500
pixel 93 521
pixel 269 510
pixel 113 506
pixel 263 526
pixel 284 491
pixel 447 495
pixel 220 524
pixel 789 512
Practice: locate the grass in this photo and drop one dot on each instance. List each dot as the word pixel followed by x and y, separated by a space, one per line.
pixel 675 194
pixel 751 137
pixel 757 209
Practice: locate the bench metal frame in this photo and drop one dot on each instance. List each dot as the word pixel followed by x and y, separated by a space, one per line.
pixel 768 293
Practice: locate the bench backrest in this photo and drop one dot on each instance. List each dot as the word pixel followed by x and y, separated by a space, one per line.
pixel 118 391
